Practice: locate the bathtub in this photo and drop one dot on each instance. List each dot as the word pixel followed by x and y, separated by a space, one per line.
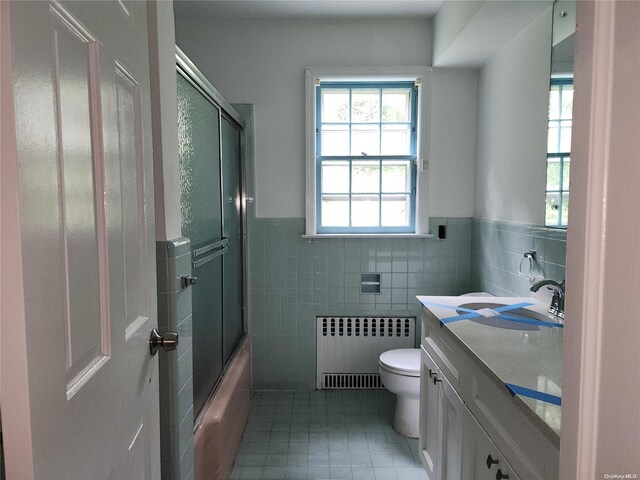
pixel 223 419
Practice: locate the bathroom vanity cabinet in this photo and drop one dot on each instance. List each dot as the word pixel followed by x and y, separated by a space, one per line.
pixel 471 427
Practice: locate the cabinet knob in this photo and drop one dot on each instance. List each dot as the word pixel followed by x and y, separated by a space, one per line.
pixel 491 461
pixel 436 379
pixel 501 476
pixel 431 373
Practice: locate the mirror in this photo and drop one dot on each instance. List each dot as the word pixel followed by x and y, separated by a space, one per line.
pixel 563 42
pixel 560 113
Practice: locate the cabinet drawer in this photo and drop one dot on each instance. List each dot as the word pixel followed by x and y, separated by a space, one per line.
pixel 443 348
pixel 530 453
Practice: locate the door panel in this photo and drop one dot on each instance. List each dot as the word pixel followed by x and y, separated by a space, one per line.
pixel 131 185
pixel 82 219
pixel 232 214
pixel 207 330
pixel 85 294
pixel 199 152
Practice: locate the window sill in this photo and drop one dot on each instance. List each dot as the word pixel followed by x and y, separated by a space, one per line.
pixel 369 235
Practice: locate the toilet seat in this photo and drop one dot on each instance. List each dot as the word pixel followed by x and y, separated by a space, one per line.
pixel 403 361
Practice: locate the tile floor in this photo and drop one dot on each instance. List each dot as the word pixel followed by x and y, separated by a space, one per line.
pixel 326 435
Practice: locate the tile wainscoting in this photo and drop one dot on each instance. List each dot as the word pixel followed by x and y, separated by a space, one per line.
pixel 498 247
pixel 173 259
pixel 292 279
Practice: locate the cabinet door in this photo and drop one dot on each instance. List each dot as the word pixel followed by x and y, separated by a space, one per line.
pixel 430 416
pixel 441 423
pixel 452 411
pixel 482 459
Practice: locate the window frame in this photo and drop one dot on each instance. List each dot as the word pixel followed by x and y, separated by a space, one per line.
pixel 411 156
pixel 368 75
pixel 561 157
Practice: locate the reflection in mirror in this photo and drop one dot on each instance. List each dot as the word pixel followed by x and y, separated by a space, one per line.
pixel 560 113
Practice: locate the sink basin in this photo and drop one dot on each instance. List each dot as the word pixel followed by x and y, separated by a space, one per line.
pixel 504 323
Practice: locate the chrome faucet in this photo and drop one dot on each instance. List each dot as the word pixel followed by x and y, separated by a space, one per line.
pixel 557 301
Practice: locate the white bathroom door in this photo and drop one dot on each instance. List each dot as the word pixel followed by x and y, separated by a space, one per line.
pixel 601 385
pixel 79 387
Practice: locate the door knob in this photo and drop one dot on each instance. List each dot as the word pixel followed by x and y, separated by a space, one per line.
pixel 168 341
pixel 501 476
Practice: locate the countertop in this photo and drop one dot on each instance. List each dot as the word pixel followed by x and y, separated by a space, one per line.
pixel 528 358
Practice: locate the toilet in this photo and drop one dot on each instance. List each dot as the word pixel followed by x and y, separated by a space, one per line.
pixel 400 374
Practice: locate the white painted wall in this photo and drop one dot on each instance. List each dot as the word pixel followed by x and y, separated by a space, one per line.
pixel 263 62
pixel 452 142
pixel 512 127
pixel 164 113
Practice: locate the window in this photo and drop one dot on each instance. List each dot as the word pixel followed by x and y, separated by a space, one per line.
pixel 363 141
pixel 559 152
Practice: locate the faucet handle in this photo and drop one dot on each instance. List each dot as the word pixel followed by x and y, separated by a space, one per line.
pixel 557 301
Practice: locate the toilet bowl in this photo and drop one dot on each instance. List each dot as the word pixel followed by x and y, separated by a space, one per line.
pixel 400 374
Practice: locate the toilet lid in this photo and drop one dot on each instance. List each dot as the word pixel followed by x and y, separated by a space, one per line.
pixel 404 361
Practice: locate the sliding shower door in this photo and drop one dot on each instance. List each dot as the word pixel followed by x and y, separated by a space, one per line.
pixel 232 225
pixel 211 208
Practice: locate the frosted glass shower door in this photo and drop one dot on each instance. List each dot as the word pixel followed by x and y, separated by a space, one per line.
pixel 232 227
pixel 207 330
pixel 199 155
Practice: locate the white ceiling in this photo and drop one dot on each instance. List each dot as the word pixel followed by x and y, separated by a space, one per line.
pixel 272 9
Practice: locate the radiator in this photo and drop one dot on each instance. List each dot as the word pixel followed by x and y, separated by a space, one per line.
pixel 348 349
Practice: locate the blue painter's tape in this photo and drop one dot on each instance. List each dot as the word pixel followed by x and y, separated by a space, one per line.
pixel 535 394
pixel 515 306
pixel 531 321
pixel 470 310
pixel 466 316
pixel 474 314
pixel 444 305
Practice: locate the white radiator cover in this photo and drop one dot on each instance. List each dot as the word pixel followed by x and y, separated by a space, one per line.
pixel 348 348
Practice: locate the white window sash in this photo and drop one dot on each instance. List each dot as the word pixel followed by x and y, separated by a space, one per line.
pixel 370 74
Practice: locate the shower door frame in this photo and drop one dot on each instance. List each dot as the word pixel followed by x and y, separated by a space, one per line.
pixel 191 73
